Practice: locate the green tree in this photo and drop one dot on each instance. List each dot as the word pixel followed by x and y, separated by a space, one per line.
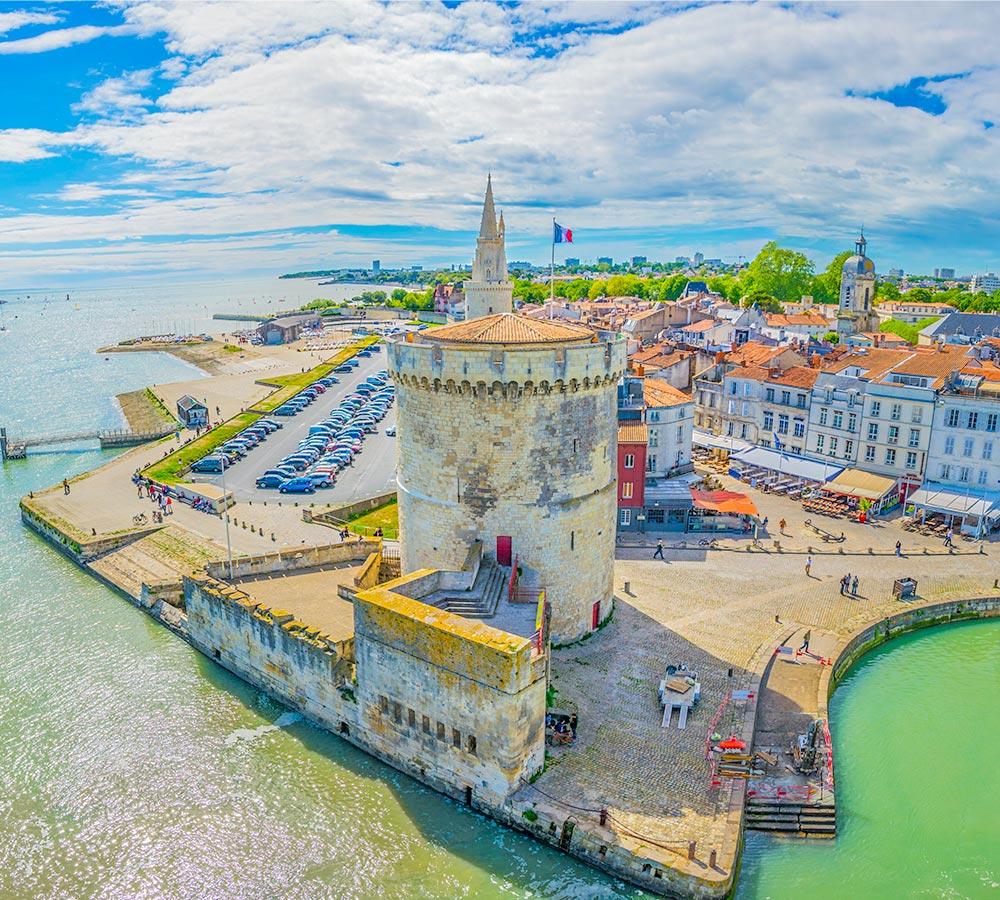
pixel 831 337
pixel 597 289
pixel 887 292
pixel 764 302
pixel 784 274
pixel 919 295
pixel 826 285
pixel 398 295
pixel 624 286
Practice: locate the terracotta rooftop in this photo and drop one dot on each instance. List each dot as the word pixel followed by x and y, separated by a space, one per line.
pixel 809 318
pixel 753 353
pixel 507 328
pixel 873 364
pixel 934 364
pixel 703 325
pixel 658 394
pixel 633 433
pixel 794 376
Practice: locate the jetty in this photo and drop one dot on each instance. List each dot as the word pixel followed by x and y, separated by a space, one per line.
pixel 12 447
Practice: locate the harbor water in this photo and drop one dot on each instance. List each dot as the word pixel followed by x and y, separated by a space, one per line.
pixel 133 767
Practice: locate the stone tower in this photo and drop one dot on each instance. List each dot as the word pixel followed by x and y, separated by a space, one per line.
pixel 489 291
pixel 857 291
pixel 508 434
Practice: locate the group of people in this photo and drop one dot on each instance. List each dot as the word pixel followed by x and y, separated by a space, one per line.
pixel 563 727
pixel 849 585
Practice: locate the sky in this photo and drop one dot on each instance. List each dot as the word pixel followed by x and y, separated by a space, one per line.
pixel 159 139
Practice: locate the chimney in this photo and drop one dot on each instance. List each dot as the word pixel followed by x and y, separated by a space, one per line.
pixel 815 361
pixel 640 370
pixel 720 356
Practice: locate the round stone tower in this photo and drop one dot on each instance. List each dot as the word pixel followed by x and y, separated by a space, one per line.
pixel 507 433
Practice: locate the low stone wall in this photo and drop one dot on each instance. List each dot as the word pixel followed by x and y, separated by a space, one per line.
pixel 339 514
pixel 71 541
pixel 368 577
pixel 294 558
pixel 170 591
pixel 856 645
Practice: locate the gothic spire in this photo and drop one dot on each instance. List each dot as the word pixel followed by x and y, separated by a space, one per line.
pixel 488 228
pixel 500 226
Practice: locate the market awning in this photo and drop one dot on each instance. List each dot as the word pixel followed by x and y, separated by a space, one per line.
pixel 855 483
pixel 724 502
pixel 939 498
pixel 669 493
pixel 787 464
pixel 718 441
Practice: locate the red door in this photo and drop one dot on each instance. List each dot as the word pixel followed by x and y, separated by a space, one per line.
pixel 503 550
pixel 597 615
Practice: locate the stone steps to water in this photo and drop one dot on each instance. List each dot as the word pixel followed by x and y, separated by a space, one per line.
pixel 795 818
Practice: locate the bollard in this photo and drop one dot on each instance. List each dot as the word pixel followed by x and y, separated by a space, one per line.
pixel 691 848
pixel 272 535
pixel 604 818
pixel 711 859
pixel 628 587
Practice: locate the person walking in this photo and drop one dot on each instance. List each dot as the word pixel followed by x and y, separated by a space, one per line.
pixel 899 549
pixel 781 526
pixel 947 539
pixel 845 584
pixel 805 641
pixel 65 486
pixel 170 507
pixel 763 525
pixel 809 565
pixel 659 549
pixel 854 587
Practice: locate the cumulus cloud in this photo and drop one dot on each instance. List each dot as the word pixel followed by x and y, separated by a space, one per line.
pixel 637 116
pixel 62 37
pixel 11 21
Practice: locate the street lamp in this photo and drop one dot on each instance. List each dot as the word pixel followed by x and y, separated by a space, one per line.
pixel 225 512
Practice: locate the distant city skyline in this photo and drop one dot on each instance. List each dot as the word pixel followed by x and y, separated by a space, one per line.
pixel 187 140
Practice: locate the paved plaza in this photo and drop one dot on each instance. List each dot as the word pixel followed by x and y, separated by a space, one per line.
pixel 719 610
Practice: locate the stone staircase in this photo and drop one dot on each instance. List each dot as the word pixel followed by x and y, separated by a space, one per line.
pixel 482 599
pixel 803 819
pixel 162 556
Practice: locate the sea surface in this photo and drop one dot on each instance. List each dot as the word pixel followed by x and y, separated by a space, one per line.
pixel 132 767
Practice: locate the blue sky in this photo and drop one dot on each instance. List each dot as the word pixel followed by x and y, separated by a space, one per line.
pixel 163 139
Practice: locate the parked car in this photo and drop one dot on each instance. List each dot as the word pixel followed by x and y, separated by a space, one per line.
pixel 391 432
pixel 284 471
pixel 271 481
pixel 286 409
pixel 343 369
pixel 298 485
pixel 210 464
pixel 272 423
pixel 321 479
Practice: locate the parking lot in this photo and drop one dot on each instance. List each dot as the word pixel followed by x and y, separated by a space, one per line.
pixel 373 470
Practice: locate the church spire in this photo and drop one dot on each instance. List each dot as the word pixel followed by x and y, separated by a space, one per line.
pixel 488 227
pixel 500 226
pixel 860 244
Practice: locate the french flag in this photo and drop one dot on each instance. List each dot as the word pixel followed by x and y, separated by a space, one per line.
pixel 561 235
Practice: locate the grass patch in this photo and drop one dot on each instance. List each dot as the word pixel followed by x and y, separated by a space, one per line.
pixel 161 408
pixel 385 517
pixel 168 470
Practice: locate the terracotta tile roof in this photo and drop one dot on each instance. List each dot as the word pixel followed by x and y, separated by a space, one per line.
pixel 794 376
pixel 810 318
pixel 874 364
pixel 662 355
pixel 658 394
pixel 703 325
pixel 507 328
pixel 633 433
pixel 932 363
pixel 753 353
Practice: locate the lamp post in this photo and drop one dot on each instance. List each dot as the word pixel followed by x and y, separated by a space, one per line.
pixel 225 512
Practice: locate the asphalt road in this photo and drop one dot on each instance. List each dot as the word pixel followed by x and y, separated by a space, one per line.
pixel 374 469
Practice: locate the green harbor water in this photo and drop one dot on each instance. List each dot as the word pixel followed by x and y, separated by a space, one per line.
pixel 131 767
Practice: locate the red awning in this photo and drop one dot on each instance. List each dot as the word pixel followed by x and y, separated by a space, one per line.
pixel 724 501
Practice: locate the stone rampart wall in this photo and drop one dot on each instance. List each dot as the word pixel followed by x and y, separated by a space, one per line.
pixel 291 660
pixel 71 541
pixel 462 701
pixel 293 559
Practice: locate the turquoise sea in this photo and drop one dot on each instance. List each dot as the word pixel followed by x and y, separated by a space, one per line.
pixel 131 767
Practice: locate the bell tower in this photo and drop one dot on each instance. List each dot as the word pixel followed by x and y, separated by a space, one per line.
pixel 489 291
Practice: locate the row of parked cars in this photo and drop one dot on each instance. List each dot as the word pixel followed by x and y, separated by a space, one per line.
pixel 236 447
pixel 333 443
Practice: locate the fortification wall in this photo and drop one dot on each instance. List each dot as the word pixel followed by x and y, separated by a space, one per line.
pixel 291 660
pixel 292 559
pixel 462 703
pixel 517 441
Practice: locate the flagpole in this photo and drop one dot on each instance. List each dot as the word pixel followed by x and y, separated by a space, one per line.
pixel 552 273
